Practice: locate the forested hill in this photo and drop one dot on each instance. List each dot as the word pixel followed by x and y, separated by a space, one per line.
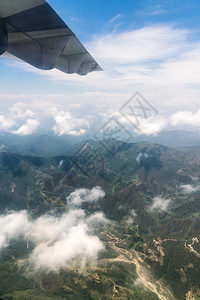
pixel 152 202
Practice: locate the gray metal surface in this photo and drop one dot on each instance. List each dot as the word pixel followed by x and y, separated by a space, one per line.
pixel 38 36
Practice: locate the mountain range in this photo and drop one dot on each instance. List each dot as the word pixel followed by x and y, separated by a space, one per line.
pixel 151 204
pixel 47 145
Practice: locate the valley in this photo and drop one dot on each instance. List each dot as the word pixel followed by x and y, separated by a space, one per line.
pixel 150 241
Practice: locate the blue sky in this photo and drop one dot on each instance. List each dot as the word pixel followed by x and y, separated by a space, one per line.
pixel 148 46
pixel 92 16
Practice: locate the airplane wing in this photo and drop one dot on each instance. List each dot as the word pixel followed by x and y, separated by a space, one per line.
pixel 32 31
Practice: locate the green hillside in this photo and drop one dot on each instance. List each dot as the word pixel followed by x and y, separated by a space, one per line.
pixel 152 249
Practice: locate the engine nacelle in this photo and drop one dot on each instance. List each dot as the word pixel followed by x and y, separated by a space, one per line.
pixel 3 37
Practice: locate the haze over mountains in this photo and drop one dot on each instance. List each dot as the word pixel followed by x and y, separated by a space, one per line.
pixel 51 145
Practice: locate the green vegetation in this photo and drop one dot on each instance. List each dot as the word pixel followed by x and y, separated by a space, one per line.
pixel 145 258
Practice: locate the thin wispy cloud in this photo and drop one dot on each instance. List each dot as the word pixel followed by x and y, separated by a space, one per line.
pixel 156 10
pixel 118 16
pixel 132 217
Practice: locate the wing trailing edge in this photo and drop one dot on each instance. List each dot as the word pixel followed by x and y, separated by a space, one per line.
pixel 32 31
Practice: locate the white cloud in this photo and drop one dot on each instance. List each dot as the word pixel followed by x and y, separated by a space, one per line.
pixel 188 188
pixel 144 44
pixel 131 217
pixel 186 118
pixel 160 61
pixel 141 60
pixel 67 124
pixel 138 158
pixel 64 241
pixel 6 123
pixel 20 111
pixel 29 127
pixel 61 163
pixel 97 219
pixel 115 18
pixel 59 240
pixel 160 204
pixel 12 226
pixel 141 156
pixel 84 195
pixel 96 109
pixel 151 126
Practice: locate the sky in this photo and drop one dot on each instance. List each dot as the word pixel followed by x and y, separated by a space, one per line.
pixel 150 53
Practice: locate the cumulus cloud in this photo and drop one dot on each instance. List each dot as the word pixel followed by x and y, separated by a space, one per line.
pixel 188 188
pixel 59 240
pixel 84 195
pixel 20 111
pixel 76 244
pixel 29 127
pixel 66 117
pixel 159 204
pixel 186 118
pixel 67 124
pixel 97 219
pixel 151 126
pixel 6 123
pixel 63 241
pixel 12 226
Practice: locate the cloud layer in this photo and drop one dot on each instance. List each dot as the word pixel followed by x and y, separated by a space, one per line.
pixel 85 116
pixel 162 62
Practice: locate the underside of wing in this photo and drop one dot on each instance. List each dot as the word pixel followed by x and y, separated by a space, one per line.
pixel 32 31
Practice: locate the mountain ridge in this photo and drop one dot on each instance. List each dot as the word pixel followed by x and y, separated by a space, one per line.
pixel 154 223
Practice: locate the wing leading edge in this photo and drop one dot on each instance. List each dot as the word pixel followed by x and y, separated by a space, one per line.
pixel 38 36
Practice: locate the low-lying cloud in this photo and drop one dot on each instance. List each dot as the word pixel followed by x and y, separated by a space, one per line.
pixel 12 226
pixel 29 127
pixel 59 240
pixel 188 188
pixel 159 204
pixel 131 217
pixel 141 156
pixel 84 195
